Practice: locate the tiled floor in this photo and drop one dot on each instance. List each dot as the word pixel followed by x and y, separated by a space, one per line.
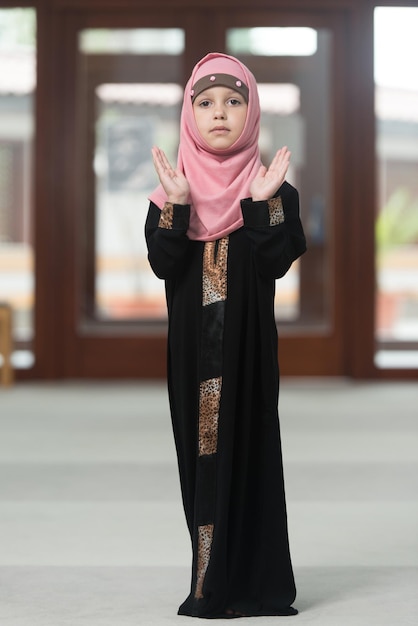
pixel 91 526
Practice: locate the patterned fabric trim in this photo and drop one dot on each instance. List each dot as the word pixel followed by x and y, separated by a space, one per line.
pixel 210 395
pixel 275 211
pixel 215 257
pixel 166 217
pixel 205 536
pixel 214 287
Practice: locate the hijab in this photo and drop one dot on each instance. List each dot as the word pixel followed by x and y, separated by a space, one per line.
pixel 218 179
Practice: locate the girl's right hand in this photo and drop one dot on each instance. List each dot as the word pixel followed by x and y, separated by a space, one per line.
pixel 173 181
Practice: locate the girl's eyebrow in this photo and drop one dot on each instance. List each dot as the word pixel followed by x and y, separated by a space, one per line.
pixel 207 93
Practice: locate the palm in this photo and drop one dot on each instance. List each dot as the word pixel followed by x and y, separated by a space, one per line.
pixel 173 180
pixel 268 181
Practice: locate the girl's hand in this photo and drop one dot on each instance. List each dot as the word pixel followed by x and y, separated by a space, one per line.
pixel 173 181
pixel 267 181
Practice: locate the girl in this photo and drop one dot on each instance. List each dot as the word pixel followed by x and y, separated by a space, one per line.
pixel 220 229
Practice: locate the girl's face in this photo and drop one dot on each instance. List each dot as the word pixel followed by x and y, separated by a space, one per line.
pixel 220 114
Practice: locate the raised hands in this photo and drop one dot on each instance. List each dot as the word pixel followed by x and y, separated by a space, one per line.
pixel 263 187
pixel 267 181
pixel 173 180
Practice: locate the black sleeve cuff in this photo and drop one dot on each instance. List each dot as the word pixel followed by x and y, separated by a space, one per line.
pixel 255 214
pixel 181 216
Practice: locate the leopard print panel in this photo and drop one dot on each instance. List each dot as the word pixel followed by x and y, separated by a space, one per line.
pixel 215 257
pixel 205 537
pixel 276 211
pixel 210 395
pixel 214 287
pixel 166 216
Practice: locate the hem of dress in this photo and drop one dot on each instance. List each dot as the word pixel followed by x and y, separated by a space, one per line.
pixel 285 612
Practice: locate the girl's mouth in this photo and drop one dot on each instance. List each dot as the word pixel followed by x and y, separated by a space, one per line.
pixel 220 130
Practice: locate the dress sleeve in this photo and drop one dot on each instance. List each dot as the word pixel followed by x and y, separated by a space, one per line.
pixel 167 241
pixel 276 231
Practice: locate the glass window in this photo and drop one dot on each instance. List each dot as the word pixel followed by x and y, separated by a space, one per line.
pixel 281 124
pixel 396 108
pixel 273 41
pixel 131 118
pixel 17 87
pixel 132 41
pixel 135 107
pixel 296 110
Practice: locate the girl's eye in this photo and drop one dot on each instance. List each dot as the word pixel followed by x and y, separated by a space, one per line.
pixel 204 103
pixel 234 102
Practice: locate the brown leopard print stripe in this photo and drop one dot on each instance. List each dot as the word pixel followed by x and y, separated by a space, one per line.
pixel 166 216
pixel 214 288
pixel 276 212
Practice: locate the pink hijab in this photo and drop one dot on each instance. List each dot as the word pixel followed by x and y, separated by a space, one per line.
pixel 218 179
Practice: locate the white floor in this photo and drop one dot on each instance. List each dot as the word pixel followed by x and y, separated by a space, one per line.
pixel 91 526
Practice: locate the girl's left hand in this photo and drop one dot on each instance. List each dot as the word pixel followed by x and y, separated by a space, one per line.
pixel 268 181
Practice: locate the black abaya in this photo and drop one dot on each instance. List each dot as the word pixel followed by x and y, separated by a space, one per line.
pixel 223 381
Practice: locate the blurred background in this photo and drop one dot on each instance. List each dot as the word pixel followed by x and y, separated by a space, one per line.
pixel 87 88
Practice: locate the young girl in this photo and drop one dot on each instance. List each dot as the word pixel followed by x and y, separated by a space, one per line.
pixel 220 229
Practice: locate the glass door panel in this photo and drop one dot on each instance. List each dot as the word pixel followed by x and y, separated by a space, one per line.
pixel 293 68
pixel 131 118
pixel 131 97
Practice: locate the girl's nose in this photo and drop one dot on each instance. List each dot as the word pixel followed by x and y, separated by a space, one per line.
pixel 219 112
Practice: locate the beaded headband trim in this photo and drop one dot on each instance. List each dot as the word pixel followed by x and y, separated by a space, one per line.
pixel 224 80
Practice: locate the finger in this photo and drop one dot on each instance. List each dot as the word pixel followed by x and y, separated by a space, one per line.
pixel 165 161
pixel 161 162
pixel 282 155
pixel 281 160
pixel 158 162
pixel 156 153
pixel 261 172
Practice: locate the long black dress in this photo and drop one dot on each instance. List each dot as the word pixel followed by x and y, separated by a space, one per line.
pixel 223 382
